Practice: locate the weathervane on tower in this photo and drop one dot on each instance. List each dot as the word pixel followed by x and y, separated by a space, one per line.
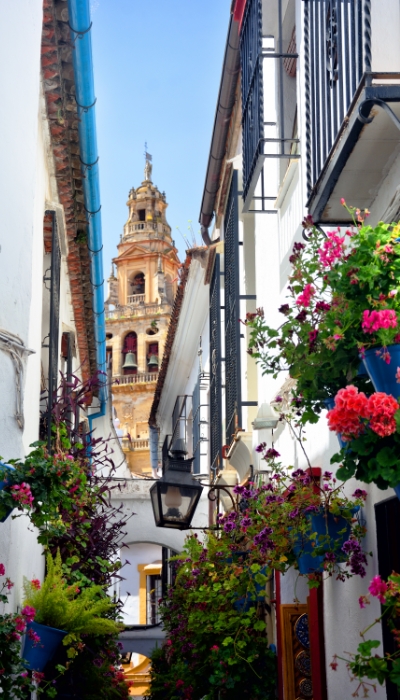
pixel 148 165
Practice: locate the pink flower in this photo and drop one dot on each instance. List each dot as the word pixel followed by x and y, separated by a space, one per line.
pixel 20 624
pixel 29 613
pixel 35 583
pixel 382 409
pixel 374 320
pixel 378 588
pixel 304 299
pixel 351 406
pixel 343 202
pixel 22 494
pixel 361 601
pixel 332 249
pixel 33 636
pixel 2 570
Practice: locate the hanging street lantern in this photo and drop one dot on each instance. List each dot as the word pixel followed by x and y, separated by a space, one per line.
pixel 175 496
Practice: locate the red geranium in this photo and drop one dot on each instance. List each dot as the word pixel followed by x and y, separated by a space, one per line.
pixel 382 408
pixel 351 406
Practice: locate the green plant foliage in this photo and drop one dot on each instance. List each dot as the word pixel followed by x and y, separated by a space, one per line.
pixel 68 608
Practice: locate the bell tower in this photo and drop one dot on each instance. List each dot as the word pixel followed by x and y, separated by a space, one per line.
pixel 138 309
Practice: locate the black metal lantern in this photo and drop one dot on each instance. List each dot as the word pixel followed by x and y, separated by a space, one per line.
pixel 175 496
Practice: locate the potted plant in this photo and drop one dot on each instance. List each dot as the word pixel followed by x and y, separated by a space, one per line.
pixel 8 504
pixel 315 342
pixel 212 648
pixel 369 426
pixel 14 679
pixel 295 521
pixel 366 664
pixel 62 613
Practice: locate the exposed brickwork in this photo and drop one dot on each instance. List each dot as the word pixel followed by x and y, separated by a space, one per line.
pixel 59 89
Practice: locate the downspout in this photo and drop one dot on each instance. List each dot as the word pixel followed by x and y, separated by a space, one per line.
pixel 225 105
pixel 80 25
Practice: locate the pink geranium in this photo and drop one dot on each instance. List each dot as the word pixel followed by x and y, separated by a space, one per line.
pixel 304 299
pixel 29 613
pixel 375 320
pixel 382 409
pixel 378 588
pixel 351 406
pixel 22 494
pixel 332 249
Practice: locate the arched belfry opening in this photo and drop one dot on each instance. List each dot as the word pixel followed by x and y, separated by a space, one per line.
pixel 129 354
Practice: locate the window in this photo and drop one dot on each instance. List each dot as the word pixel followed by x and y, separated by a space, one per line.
pixel 142 214
pixel 154 593
pixel 129 354
pixel 109 358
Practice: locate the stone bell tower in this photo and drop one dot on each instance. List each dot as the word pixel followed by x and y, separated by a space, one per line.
pixel 138 309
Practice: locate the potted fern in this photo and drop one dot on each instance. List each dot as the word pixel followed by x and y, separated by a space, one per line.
pixel 62 613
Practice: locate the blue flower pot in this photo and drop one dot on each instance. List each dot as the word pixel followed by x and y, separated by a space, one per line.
pixel 3 485
pixel 323 525
pixel 383 376
pixel 37 655
pixel 397 491
pixel 306 563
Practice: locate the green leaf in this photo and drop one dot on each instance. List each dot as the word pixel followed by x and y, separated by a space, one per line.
pixel 365 648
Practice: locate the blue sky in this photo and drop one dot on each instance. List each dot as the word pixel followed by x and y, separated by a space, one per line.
pixel 157 70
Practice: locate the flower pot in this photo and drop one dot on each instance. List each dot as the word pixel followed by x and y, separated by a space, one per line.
pixel 396 489
pixel 323 525
pixel 36 655
pixel 3 485
pixel 305 561
pixel 382 375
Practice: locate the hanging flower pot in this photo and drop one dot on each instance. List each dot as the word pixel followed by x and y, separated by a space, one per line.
pixel 37 653
pixel 5 512
pixel 326 525
pixel 381 372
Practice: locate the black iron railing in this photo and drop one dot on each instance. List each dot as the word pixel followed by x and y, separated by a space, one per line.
pixel 252 88
pixel 215 365
pixel 233 394
pixel 52 277
pixel 337 45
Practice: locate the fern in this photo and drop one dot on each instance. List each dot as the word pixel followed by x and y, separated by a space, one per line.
pixel 65 607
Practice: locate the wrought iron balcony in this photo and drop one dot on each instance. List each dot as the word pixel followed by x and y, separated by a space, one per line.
pixel 263 139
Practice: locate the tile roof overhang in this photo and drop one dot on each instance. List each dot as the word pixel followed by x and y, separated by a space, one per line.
pixel 59 91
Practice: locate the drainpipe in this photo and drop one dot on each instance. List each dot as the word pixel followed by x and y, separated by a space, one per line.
pixel 225 104
pixel 153 444
pixel 80 25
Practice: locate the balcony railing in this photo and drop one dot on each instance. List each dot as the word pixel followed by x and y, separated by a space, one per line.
pixel 142 378
pixel 140 444
pixel 136 298
pixel 264 139
pixel 337 46
pixel 147 226
pixel 132 311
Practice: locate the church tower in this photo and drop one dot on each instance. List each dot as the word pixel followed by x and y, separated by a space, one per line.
pixel 138 310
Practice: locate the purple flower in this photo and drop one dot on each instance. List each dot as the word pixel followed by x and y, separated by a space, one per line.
pixel 298 474
pixel 261 447
pixel 284 309
pixel 302 316
pixel 229 526
pixel 238 489
pixel 247 493
pixel 360 493
pixel 294 513
pixel 330 557
pixel 311 509
pixel 246 522
pixel 327 476
pixel 196 572
pixel 271 454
